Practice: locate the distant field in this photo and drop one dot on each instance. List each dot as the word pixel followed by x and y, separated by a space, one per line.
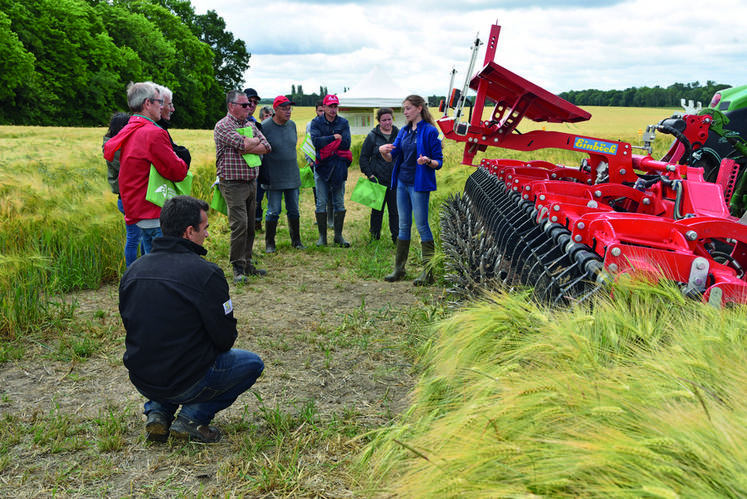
pixel 68 145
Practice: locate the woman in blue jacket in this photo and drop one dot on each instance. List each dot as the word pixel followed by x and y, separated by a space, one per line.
pixel 417 155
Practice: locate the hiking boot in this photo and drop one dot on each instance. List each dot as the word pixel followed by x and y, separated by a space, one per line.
pixel 157 427
pixel 189 430
pixel 250 269
pixel 238 274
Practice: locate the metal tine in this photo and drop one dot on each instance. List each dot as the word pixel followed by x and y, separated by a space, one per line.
pixel 554 253
pixel 545 261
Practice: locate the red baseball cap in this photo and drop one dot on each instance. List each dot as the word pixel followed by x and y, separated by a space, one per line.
pixel 330 99
pixel 282 100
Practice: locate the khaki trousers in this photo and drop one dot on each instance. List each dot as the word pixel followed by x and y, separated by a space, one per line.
pixel 241 200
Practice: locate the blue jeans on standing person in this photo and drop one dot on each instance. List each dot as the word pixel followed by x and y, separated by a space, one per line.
pixel 275 201
pixel 133 238
pixel 260 196
pixel 411 202
pixel 325 190
pixel 232 373
pixel 148 235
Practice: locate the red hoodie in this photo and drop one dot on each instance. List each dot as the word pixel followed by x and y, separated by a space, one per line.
pixel 143 143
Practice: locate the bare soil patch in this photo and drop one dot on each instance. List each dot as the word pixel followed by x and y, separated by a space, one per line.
pixel 327 338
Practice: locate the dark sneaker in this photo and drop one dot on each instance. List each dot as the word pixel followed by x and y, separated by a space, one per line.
pixel 157 427
pixel 252 270
pixel 189 430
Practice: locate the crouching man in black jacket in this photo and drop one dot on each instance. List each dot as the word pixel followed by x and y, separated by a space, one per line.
pixel 180 328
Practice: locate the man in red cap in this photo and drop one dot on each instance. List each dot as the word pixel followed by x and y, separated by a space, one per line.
pixel 330 135
pixel 282 167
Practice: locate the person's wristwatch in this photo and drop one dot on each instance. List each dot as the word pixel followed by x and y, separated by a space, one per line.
pixel 428 163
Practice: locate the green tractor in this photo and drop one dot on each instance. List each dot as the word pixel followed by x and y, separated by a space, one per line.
pixel 730 99
pixel 726 140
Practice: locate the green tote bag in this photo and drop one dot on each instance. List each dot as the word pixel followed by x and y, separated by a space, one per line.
pixel 160 189
pixel 369 193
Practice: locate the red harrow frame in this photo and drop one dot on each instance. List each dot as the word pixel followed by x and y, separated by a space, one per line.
pixel 565 231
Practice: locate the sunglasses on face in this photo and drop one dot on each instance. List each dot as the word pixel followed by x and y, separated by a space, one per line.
pixel 245 104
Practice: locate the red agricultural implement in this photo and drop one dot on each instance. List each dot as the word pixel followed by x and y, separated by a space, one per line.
pixel 567 231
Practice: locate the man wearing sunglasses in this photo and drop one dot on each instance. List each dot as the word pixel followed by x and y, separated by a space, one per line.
pixel 254 100
pixel 236 139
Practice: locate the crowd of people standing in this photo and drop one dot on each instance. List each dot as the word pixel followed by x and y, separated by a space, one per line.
pixel 175 305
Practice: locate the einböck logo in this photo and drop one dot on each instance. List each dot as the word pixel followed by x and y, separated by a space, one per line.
pixel 595 145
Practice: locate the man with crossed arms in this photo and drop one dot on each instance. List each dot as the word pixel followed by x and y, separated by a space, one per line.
pixel 238 180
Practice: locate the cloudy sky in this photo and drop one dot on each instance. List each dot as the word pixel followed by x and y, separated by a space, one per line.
pixel 557 44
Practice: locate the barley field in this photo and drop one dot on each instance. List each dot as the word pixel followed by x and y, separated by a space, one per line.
pixel 393 391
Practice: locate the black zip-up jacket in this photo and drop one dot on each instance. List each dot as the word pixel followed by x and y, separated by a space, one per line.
pixel 371 161
pixel 180 151
pixel 178 315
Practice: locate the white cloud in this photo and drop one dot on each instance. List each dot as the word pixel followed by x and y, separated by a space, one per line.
pixel 559 45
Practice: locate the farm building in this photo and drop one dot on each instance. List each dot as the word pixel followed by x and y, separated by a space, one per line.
pixel 359 104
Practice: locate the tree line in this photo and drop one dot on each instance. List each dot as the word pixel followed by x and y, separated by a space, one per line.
pixel 307 100
pixel 646 96
pixel 68 62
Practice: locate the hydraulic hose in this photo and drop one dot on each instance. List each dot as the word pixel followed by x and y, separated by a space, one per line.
pixel 686 158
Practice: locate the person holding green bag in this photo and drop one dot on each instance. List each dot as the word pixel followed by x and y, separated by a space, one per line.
pixel 144 144
pixel 377 169
pixel 238 144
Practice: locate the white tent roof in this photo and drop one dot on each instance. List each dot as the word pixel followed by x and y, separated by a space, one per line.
pixel 376 89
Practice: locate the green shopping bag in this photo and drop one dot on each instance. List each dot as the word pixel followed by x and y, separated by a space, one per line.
pixel 160 188
pixel 307 147
pixel 369 193
pixel 307 177
pixel 251 159
pixel 219 202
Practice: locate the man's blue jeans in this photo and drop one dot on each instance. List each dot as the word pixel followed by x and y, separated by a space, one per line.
pixel 148 235
pixel 260 196
pixel 409 202
pixel 324 190
pixel 232 373
pixel 133 239
pixel 275 204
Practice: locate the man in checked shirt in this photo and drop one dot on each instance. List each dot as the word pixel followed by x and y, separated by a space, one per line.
pixel 238 180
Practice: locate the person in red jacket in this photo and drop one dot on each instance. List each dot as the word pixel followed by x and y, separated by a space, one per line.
pixel 143 143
